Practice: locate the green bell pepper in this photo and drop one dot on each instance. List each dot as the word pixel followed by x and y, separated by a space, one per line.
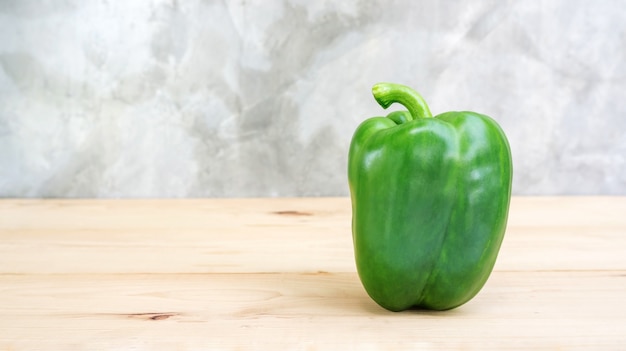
pixel 430 200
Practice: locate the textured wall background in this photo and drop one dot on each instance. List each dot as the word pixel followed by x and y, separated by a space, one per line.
pixel 260 98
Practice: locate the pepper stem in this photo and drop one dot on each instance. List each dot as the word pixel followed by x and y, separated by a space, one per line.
pixel 388 93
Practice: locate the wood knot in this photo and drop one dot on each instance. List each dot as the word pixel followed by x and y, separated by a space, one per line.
pixel 159 317
pixel 293 213
pixel 153 316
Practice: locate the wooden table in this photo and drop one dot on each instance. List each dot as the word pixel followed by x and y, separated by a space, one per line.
pixel 274 274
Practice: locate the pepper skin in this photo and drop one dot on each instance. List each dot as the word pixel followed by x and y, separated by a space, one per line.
pixel 430 200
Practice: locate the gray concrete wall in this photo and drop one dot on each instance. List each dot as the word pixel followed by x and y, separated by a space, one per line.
pixel 260 98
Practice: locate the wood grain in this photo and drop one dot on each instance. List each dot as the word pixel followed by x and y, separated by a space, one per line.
pixel 230 274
